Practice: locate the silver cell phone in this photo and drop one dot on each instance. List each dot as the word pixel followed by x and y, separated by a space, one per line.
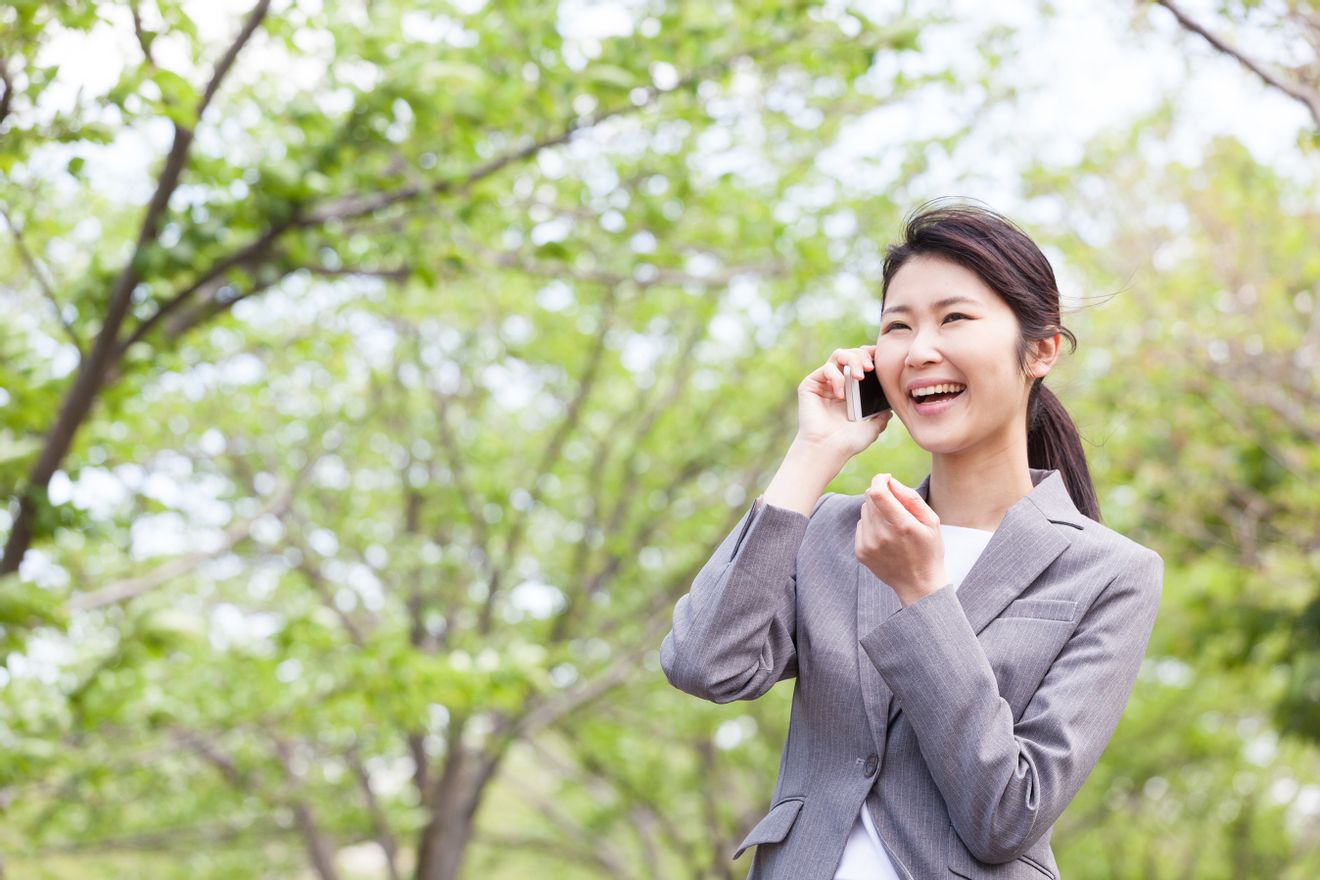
pixel 864 397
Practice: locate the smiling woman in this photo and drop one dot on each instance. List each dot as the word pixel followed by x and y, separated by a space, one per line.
pixel 970 300
pixel 963 650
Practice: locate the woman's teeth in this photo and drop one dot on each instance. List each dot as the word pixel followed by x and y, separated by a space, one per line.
pixel 920 393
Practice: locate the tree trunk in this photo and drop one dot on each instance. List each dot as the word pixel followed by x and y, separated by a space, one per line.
pixel 453 812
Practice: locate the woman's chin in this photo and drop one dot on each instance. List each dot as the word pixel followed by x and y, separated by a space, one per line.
pixel 937 442
pixel 941 439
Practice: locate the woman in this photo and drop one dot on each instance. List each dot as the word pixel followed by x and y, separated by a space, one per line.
pixel 945 712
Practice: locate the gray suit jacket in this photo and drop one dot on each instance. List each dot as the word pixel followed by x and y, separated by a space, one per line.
pixel 966 721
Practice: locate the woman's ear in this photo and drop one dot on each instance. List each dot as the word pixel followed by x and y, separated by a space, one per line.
pixel 1044 353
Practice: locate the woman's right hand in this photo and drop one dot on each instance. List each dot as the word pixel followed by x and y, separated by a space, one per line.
pixel 823 410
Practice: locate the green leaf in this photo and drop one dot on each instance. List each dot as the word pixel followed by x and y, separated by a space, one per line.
pixel 611 76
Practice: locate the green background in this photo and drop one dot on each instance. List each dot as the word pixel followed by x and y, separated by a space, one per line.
pixel 374 383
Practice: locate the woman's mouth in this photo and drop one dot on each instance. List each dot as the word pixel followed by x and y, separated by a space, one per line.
pixel 935 399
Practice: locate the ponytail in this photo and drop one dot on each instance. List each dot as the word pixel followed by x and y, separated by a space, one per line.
pixel 1054 444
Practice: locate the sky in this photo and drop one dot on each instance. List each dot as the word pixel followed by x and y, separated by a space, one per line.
pixel 1088 69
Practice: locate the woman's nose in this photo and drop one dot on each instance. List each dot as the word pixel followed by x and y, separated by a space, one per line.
pixel 921 352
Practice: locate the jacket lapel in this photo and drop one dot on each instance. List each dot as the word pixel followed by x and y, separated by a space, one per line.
pixel 1025 543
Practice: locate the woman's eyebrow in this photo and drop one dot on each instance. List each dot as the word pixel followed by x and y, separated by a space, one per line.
pixel 938 304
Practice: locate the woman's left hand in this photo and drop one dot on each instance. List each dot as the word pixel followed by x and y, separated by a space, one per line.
pixel 898 539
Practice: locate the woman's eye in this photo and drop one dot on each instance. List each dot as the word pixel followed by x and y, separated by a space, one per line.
pixel 897 324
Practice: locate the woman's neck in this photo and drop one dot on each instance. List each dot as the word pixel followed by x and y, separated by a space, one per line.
pixel 976 490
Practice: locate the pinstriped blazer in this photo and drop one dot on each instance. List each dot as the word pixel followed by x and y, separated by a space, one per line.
pixel 965 722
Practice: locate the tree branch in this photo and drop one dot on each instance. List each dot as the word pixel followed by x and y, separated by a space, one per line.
pixel 250 25
pixel 7 98
pixel 603 780
pixel 670 277
pixel 352 206
pixel 551 452
pixel 213 755
pixel 93 369
pixel 131 588
pixel 458 477
pixel 348 207
pixel 318 580
pixel 564 847
pixel 355 206
pixel 600 850
pixel 187 837
pixel 378 818
pixel 540 713
pixel 567 619
pixel 39 275
pixel 402 273
pixel 319 849
pixel 1308 100
pixel 210 281
pixel 138 31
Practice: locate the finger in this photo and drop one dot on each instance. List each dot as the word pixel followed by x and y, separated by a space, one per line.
pixel 821 383
pixel 849 358
pixel 913 502
pixel 866 528
pixel 887 507
pixel 834 376
pixel 857 358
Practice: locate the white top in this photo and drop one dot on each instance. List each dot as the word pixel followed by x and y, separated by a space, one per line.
pixel 864 858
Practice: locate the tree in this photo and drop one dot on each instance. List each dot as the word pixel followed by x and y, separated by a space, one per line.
pixel 404 407
pixel 1294 25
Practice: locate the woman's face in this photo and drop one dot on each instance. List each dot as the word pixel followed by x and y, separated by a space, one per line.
pixel 942 323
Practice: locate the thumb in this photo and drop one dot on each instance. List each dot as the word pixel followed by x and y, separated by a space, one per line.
pixel 913 501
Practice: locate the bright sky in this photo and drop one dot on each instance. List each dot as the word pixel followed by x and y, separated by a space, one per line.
pixel 1089 69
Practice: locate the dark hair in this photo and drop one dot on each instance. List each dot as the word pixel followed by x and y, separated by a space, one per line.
pixel 1006 258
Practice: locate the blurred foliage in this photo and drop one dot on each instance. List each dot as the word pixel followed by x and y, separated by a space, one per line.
pixel 469 332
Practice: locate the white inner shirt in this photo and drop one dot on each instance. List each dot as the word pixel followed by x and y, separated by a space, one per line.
pixel 864 858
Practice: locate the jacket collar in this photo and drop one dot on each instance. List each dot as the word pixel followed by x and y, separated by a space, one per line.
pixel 1027 540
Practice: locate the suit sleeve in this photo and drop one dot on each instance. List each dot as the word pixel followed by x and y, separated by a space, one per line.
pixel 733 634
pixel 1005 784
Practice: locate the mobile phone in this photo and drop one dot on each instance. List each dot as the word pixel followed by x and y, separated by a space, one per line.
pixel 865 398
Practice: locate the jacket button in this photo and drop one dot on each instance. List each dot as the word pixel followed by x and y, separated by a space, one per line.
pixel 872 762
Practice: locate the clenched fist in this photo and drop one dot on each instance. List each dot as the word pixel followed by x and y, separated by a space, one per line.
pixel 898 539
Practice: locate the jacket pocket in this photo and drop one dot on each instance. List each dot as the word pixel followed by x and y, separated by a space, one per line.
pixel 1041 609
pixel 962 863
pixel 774 826
pixel 1038 866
